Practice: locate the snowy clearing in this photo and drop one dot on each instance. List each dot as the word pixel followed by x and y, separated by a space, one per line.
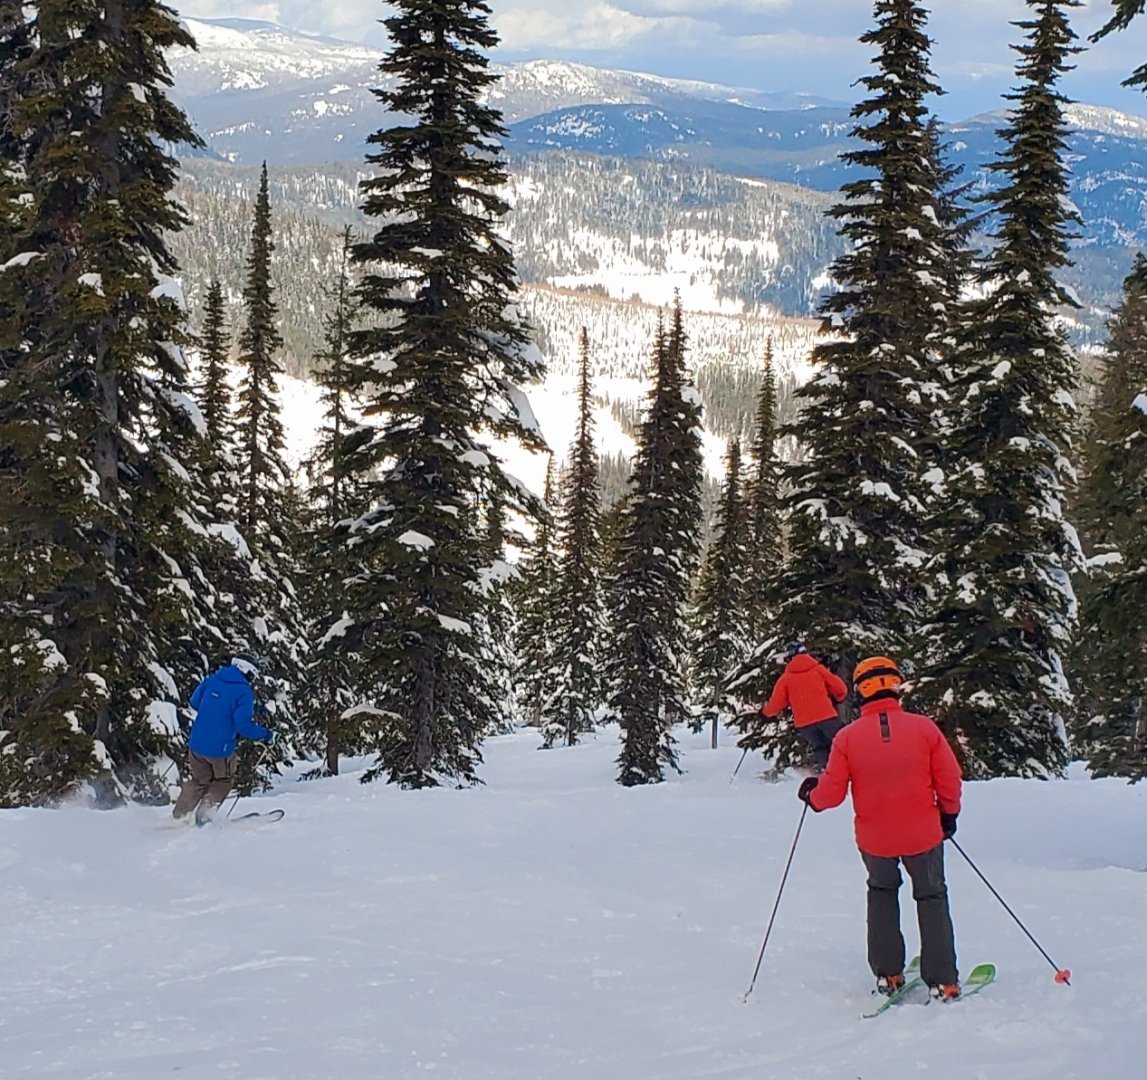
pixel 553 924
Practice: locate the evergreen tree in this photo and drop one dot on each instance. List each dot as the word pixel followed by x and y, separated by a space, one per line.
pixel 869 419
pixel 656 560
pixel 15 47
pixel 1004 611
pixel 574 685
pixel 1111 656
pixel 720 617
pixel 498 624
pixel 269 503
pixel 259 426
pixel 441 371
pixel 534 597
pixel 750 680
pixel 327 691
pixel 1125 12
pixel 765 541
pixel 102 595
pixel 214 393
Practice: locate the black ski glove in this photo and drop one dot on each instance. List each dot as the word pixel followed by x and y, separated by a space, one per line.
pixel 948 824
pixel 804 792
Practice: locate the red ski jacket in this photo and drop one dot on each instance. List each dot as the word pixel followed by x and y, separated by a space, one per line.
pixel 903 774
pixel 809 689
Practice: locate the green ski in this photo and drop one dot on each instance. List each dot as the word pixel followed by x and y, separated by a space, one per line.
pixel 979 977
pixel 911 981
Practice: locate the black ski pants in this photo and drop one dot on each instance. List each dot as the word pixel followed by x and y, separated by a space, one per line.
pixel 819 736
pixel 937 939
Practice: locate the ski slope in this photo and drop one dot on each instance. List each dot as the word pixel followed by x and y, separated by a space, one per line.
pixel 554 925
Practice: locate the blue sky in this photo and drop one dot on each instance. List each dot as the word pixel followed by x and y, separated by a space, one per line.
pixel 765 44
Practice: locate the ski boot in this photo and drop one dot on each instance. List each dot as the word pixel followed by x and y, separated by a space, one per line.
pixel 945 991
pixel 889 984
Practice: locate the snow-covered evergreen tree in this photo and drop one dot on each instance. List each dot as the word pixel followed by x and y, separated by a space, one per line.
pixel 656 559
pixel 533 594
pixel 752 678
pixel 327 692
pixel 441 372
pixel 1004 609
pixel 764 539
pixel 1111 656
pixel 213 390
pixel 269 503
pixel 260 428
pixel 856 504
pixel 102 598
pixel 720 624
pixel 573 681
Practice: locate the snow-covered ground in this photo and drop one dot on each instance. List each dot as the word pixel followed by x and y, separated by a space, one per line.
pixel 553 924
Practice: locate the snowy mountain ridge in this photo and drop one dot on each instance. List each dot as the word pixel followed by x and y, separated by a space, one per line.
pixel 256 55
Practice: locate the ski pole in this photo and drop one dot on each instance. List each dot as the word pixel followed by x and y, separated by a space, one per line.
pixel 777 904
pixel 254 769
pixel 739 764
pixel 1062 975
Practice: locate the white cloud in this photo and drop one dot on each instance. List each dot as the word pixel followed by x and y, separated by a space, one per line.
pixel 599 26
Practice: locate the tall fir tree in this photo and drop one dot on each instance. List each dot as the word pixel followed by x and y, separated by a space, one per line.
pixel 214 395
pixel 260 428
pixel 1111 654
pixel 441 371
pixel 765 539
pixel 327 691
pixel 534 598
pixel 856 504
pixel 720 641
pixel 102 594
pixel 656 560
pixel 574 685
pixel 749 680
pixel 268 502
pixel 1004 613
pixel 214 392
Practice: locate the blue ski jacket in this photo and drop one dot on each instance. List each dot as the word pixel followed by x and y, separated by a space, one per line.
pixel 225 707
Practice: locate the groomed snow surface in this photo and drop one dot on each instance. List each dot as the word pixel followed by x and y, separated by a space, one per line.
pixel 553 924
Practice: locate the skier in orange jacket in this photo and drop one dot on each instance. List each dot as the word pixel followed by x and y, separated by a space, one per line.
pixel 906 785
pixel 812 692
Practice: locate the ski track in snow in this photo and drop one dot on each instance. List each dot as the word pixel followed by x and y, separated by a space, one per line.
pixel 553 924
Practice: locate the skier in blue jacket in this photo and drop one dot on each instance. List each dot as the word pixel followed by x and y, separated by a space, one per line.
pixel 225 709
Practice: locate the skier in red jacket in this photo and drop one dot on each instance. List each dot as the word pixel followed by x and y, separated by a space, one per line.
pixel 906 796
pixel 812 692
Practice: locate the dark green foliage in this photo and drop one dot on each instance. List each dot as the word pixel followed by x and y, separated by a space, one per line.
pixel 534 594
pixel 574 685
pixel 269 506
pixel 260 430
pixel 1004 609
pixel 1125 12
pixel 750 682
pixel 720 622
pixel 1111 653
pixel 102 594
pixel 439 372
pixel 326 692
pixel 213 391
pixel 870 420
pixel 656 559
pixel 764 540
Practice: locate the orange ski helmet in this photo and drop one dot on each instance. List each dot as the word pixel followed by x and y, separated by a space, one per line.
pixel 877 674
